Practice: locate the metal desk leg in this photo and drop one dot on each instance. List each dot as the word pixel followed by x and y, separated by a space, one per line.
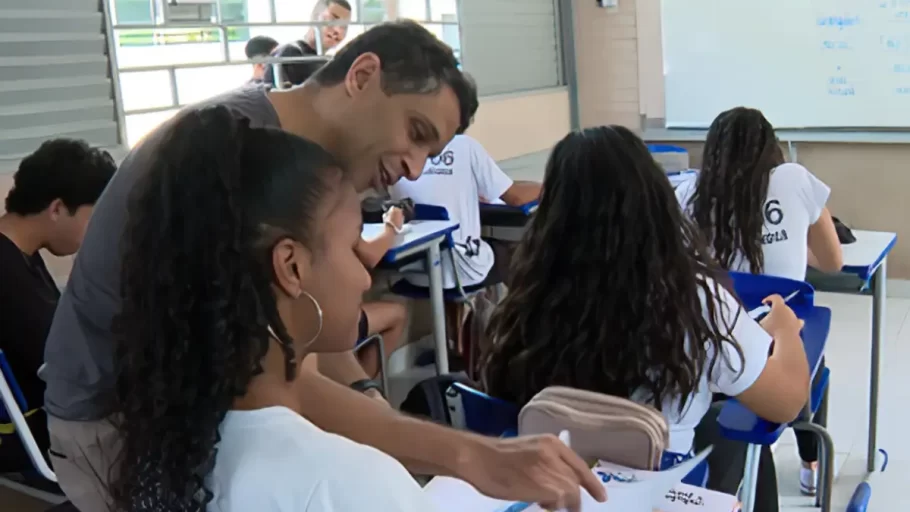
pixel 434 269
pixel 878 325
pixel 750 477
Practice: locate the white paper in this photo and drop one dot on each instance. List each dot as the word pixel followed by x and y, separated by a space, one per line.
pixel 633 490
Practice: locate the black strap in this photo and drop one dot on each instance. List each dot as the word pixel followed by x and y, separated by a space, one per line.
pixel 364 385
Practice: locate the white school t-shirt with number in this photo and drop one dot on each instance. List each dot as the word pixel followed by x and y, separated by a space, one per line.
pixel 731 374
pixel 794 202
pixel 274 460
pixel 457 179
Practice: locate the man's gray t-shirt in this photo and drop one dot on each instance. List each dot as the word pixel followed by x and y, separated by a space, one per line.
pixel 79 355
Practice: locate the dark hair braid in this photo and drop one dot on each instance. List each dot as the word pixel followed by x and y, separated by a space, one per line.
pixel 740 152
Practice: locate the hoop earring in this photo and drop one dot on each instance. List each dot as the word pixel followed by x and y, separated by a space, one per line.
pixel 318 315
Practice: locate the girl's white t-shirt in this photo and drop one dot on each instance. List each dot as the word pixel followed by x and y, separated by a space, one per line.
pixel 731 374
pixel 274 460
pixel 794 202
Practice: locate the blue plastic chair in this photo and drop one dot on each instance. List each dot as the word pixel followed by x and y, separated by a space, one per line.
pixel 753 288
pixel 740 424
pixel 13 403
pixel 473 410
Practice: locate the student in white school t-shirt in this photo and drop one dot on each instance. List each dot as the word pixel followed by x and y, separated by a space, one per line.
pixel 612 291
pixel 459 178
pixel 775 219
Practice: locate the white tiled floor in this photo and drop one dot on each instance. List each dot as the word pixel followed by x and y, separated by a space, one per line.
pixel 848 357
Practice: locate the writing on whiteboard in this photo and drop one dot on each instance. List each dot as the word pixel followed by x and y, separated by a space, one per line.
pixel 839 22
pixel 902 68
pixel 902 90
pixel 835 45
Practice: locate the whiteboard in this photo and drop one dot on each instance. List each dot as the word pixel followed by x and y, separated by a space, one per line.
pixel 804 63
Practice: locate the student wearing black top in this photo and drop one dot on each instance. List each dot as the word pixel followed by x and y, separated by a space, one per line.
pixel 259 46
pixel 47 208
pixel 296 73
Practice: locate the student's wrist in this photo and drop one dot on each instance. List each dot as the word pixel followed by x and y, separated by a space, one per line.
pixel 467 454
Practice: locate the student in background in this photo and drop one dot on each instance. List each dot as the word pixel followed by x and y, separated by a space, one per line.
pixel 259 46
pixel 295 73
pixel 458 178
pixel 385 318
pixel 611 291
pixel 775 219
pixel 48 208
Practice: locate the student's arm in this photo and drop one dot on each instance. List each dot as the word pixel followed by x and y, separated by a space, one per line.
pixel 825 251
pixel 532 469
pixel 776 387
pixel 521 193
pixel 493 183
pixel 27 315
pixel 371 251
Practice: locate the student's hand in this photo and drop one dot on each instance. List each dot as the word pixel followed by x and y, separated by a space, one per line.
pixel 781 319
pixel 395 217
pixel 533 469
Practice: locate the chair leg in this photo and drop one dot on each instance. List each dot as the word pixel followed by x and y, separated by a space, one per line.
pixel 750 477
pixel 825 463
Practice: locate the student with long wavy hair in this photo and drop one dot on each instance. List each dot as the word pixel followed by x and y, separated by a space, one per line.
pixel 776 222
pixel 612 290
pixel 238 261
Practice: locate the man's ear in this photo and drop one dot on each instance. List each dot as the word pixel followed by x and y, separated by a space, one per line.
pixel 57 209
pixel 364 72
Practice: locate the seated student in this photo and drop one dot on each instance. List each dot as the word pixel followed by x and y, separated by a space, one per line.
pixel 295 73
pixel 259 228
pixel 458 178
pixel 776 222
pixel 611 291
pixel 385 318
pixel 259 46
pixel 48 208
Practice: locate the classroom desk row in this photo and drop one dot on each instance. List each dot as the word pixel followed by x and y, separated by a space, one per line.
pixel 866 258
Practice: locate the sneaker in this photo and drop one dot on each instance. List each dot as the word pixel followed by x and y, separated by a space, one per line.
pixel 808 478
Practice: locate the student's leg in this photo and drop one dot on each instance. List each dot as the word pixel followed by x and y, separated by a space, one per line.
pixel 807 443
pixel 14 457
pixel 387 319
pixel 726 463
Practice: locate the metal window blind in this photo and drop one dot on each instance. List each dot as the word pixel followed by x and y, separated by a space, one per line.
pixel 510 45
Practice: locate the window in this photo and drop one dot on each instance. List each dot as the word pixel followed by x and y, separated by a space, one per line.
pixel 511 45
pixel 147 93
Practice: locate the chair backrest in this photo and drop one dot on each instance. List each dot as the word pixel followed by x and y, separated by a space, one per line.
pixel 753 288
pixel 7 373
pixel 470 409
pixel 14 404
pixel 430 212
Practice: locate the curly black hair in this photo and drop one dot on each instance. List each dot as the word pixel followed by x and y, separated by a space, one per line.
pixel 740 152
pixel 413 60
pixel 608 284
pixel 197 293
pixel 65 169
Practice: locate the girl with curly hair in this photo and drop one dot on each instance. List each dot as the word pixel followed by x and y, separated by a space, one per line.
pixel 612 290
pixel 239 261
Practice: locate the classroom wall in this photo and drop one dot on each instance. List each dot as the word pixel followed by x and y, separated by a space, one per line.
pixel 509 126
pixel 620 74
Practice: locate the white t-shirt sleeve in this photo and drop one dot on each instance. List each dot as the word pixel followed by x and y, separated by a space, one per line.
pixel 492 182
pixel 812 191
pixel 732 374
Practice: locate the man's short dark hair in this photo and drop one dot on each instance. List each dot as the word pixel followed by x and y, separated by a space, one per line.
pixel 322 5
pixel 65 169
pixel 413 60
pixel 260 46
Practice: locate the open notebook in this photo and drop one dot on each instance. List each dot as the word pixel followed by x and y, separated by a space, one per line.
pixel 628 490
